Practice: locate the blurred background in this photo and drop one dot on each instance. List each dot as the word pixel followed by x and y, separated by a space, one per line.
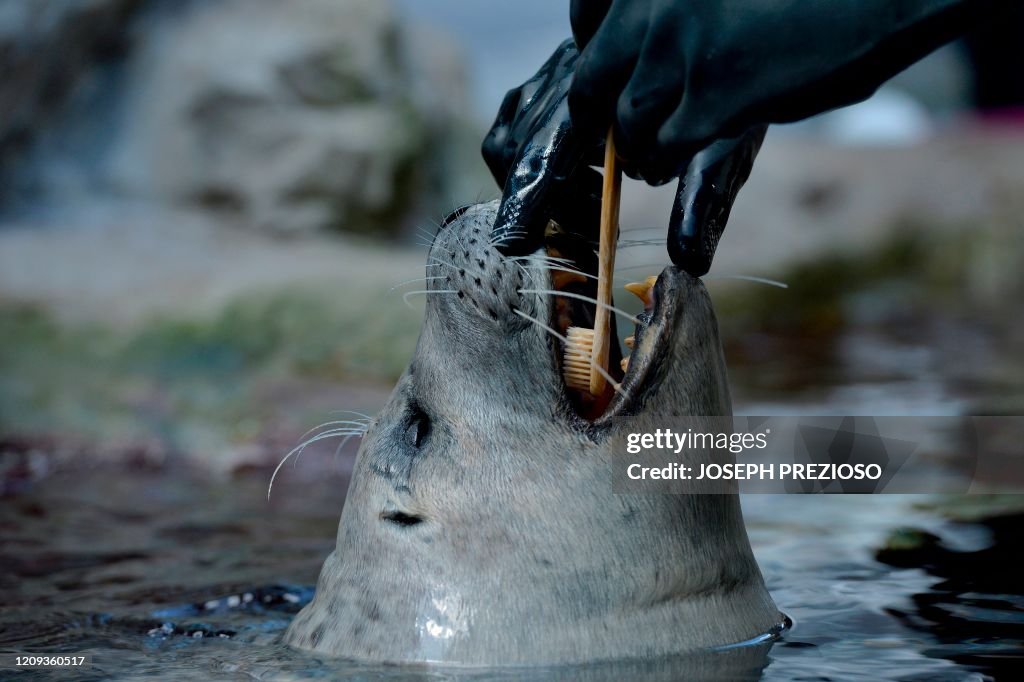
pixel 210 211
pixel 205 206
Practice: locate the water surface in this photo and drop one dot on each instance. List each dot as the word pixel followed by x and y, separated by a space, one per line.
pixel 166 572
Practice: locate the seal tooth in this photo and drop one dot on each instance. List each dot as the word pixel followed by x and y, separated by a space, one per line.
pixel 630 341
pixel 624 363
pixel 642 290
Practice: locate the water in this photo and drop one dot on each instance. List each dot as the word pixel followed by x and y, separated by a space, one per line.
pixel 168 574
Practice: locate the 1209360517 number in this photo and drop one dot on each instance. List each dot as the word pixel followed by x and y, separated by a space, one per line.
pixel 50 661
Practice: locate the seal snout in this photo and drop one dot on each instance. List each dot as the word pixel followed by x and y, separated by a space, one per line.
pixel 483 294
pixel 468 271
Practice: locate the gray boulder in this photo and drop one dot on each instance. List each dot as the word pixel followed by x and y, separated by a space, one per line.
pixel 288 116
pixel 47 47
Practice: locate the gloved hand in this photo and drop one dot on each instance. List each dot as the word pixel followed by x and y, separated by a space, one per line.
pixel 533 152
pixel 673 76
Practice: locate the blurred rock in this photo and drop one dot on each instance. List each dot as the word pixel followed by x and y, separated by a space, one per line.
pixel 46 47
pixel 298 115
pixel 292 116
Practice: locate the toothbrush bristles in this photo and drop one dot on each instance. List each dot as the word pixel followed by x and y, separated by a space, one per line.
pixel 579 353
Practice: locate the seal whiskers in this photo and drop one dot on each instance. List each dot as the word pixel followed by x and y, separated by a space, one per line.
pixel 363 423
pixel 752 278
pixel 581 297
pixel 425 292
pixel 297 450
pixel 417 279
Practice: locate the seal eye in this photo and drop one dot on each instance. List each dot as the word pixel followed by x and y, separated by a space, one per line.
pixel 418 430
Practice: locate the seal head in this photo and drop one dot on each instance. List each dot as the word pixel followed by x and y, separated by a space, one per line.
pixel 481 526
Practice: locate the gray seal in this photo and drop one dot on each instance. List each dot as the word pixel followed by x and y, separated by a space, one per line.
pixel 481 527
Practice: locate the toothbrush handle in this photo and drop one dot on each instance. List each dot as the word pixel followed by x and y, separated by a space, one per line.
pixel 606 264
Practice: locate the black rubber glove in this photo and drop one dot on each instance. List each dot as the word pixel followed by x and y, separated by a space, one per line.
pixel 705 196
pixel 533 154
pixel 674 76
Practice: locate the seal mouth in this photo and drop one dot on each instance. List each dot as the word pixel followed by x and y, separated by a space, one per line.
pixel 572 263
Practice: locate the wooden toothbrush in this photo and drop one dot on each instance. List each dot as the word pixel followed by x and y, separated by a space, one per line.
pixel 588 349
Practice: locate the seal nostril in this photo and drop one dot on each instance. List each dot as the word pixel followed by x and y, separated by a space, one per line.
pixel 401 518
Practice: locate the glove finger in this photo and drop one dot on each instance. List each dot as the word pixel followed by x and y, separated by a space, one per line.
pixel 685 134
pixel 705 196
pixel 653 92
pixel 498 148
pixel 542 155
pixel 522 107
pixel 585 16
pixel 603 69
pixel 545 165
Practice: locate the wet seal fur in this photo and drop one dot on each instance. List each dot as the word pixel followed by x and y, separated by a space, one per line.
pixel 480 526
